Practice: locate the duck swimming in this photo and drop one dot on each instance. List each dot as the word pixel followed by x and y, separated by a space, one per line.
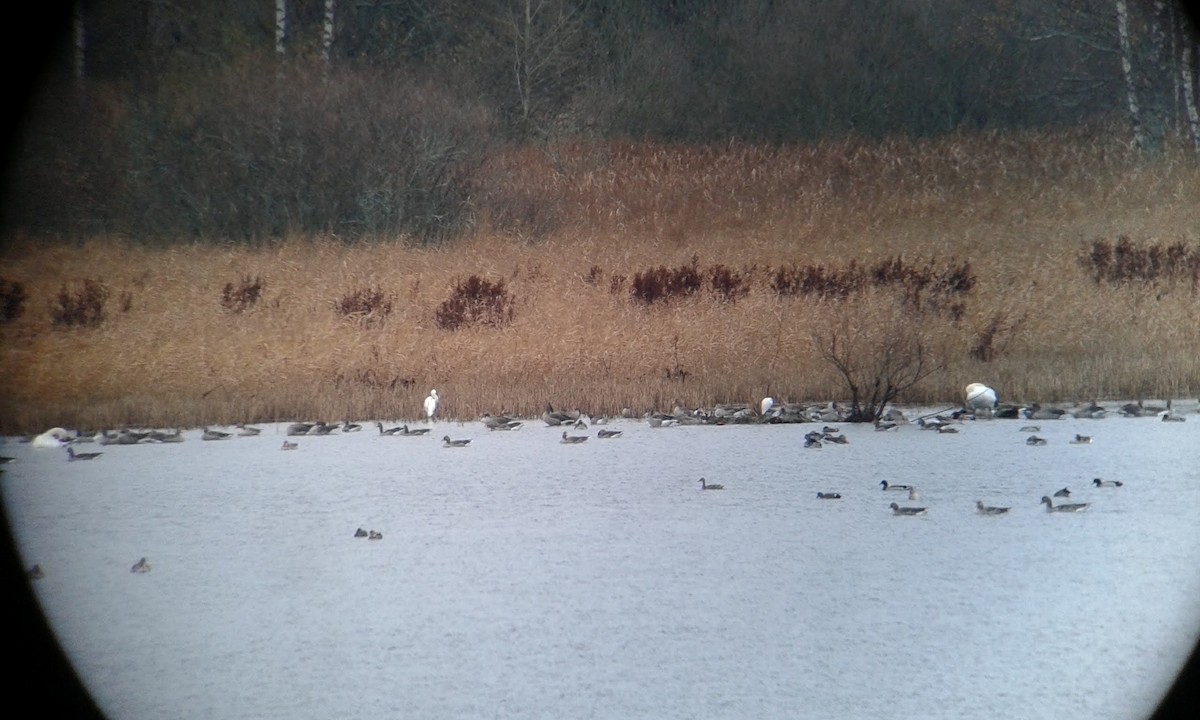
pixel 887 486
pixel 989 509
pixel 897 510
pixel 710 486
pixel 829 496
pixel 447 442
pixel 573 439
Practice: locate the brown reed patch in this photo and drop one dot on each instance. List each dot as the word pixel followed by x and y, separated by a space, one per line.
pixel 12 300
pixel 243 295
pixel 476 301
pixel 368 306
pixel 79 306
pixel 1150 263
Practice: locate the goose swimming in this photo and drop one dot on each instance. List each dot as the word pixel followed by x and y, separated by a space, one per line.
pixel 389 431
pixel 887 486
pixel 360 533
pixel 557 417
pixel 72 455
pixel 299 428
pixel 246 431
pixel 573 439
pixel 414 432
pixel 1035 440
pixel 989 509
pixel 348 426
pixel 829 496
pixel 1062 493
pixel 215 435
pixel 605 433
pixel 373 535
pixel 1082 440
pixel 1069 507
pixel 290 445
pixel 710 486
pixel 447 442
pixel 1107 483
pixel 897 510
pixel 141 566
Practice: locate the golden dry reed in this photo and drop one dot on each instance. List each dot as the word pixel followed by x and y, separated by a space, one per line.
pixel 566 225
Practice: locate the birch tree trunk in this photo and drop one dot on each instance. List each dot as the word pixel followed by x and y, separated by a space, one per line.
pixel 80 44
pixel 327 35
pixel 1188 78
pixel 1135 119
pixel 280 27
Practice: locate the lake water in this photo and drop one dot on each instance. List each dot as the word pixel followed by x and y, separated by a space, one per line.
pixel 523 578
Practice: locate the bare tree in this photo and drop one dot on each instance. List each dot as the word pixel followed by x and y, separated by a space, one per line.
pixel 877 359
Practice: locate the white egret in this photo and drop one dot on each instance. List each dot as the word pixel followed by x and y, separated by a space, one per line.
pixel 431 404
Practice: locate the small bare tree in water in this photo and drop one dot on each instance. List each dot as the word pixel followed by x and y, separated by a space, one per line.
pixel 876 358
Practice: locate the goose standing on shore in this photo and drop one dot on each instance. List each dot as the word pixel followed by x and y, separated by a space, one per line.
pixel 431 405
pixel 1069 507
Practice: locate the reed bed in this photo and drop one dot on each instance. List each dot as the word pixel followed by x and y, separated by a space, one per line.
pixel 314 328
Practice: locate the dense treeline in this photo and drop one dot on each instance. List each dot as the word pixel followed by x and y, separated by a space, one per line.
pixel 370 119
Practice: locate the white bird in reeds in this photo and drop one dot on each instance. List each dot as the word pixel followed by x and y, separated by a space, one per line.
pixel 431 405
pixel 55 437
pixel 1069 507
pixel 980 397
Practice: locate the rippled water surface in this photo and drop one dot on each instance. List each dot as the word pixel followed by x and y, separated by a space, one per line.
pixel 519 577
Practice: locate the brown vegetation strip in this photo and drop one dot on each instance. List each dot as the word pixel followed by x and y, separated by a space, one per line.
pixel 1050 266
